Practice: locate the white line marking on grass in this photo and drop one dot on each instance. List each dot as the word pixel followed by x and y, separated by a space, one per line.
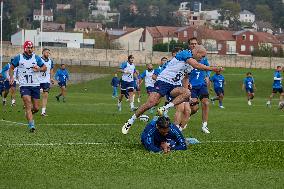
pixel 117 143
pixel 12 122
pixel 242 141
pixel 77 124
pixel 63 124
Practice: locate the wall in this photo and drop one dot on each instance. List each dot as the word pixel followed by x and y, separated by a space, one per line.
pixel 103 57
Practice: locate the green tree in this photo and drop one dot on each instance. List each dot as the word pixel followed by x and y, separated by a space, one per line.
pixel 263 12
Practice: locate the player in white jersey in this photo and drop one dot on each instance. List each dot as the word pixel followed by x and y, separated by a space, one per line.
pixel 29 67
pixel 46 78
pixel 147 75
pixel 128 71
pixel 169 83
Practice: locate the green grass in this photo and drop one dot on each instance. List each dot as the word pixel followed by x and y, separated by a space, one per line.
pixel 121 162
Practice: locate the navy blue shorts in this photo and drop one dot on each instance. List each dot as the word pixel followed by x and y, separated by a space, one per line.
pixel 45 87
pixel 34 92
pixel 164 88
pixel 277 90
pixel 1 89
pixel 150 89
pixel 127 85
pixel 62 84
pixel 249 90
pixel 199 92
pixel 219 91
pixel 7 85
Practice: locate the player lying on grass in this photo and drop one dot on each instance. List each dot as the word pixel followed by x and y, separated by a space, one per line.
pixel 160 135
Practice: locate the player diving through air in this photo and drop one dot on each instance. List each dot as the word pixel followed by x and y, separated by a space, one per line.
pixel 169 83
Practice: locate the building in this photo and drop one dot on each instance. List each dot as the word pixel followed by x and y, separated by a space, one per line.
pixel 59 39
pixel 248 41
pixel 51 26
pixel 247 16
pixel 63 7
pixel 158 34
pixel 103 5
pixel 186 17
pixel 212 17
pixel 215 41
pixel 262 26
pixel 47 15
pixel 126 38
pixel 87 27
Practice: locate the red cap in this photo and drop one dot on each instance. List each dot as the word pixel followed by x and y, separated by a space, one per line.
pixel 28 44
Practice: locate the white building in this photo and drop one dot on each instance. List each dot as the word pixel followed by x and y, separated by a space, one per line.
pixel 103 5
pixel 47 15
pixel 61 39
pixel 247 16
pixel 213 18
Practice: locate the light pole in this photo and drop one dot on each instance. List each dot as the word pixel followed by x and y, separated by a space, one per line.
pixel 41 25
pixel 1 45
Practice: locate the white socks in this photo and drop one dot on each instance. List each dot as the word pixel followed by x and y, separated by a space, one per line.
pixel 132 119
pixel 169 105
pixel 43 110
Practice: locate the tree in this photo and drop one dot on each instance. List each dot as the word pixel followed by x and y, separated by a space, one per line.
pixel 263 12
pixel 230 11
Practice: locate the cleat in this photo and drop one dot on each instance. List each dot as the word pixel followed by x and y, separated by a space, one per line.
pixel 43 114
pixel 212 101
pixel 249 103
pixel 134 109
pixel 57 98
pixel 222 107
pixel 281 106
pixel 191 141
pixel 119 107
pixel 126 128
pixel 31 128
pixel 205 130
pixel 162 112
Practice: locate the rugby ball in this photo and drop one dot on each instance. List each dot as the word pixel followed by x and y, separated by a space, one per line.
pixel 144 118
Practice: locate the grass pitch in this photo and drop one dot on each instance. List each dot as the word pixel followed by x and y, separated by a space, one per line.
pixel 80 145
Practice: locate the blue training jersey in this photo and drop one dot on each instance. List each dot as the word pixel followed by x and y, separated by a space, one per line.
pixel 197 77
pixel 248 82
pixel 277 80
pixel 61 75
pixel 115 82
pixel 5 71
pixel 218 81
pixel 158 70
pixel 152 139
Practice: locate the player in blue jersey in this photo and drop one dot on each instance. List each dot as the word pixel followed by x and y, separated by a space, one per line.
pixel 29 67
pixel 46 78
pixel 169 83
pixel 2 80
pixel 137 88
pixel 277 87
pixel 249 86
pixel 62 76
pixel 114 83
pixel 128 71
pixel 162 136
pixel 158 70
pixel 218 81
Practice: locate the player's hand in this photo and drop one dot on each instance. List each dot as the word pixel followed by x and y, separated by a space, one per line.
pixel 36 68
pixel 165 147
pixel 12 80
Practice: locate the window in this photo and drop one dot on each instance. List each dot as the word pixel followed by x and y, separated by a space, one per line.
pixel 185 33
pixel 243 48
pixel 244 37
pixel 251 37
pixel 275 49
pixel 251 48
pixel 219 46
pixel 194 34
